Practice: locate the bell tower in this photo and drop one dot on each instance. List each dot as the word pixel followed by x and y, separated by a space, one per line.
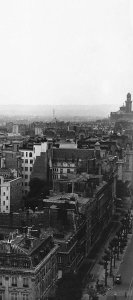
pixel 128 103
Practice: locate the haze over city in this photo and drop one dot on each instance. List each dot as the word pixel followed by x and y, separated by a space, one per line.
pixel 65 52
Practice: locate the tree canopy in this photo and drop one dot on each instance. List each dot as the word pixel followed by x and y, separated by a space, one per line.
pixel 38 190
pixel 69 287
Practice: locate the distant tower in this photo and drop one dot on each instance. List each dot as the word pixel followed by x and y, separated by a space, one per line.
pixel 54 117
pixel 15 129
pixel 53 114
pixel 128 103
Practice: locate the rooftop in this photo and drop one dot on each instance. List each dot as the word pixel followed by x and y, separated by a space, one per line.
pixel 62 198
pixel 72 154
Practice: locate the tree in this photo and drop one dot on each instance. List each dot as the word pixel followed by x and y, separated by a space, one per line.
pixel 38 190
pixel 122 189
pixel 38 187
pixel 69 287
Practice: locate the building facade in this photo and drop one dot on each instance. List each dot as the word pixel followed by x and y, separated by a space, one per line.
pixel 69 231
pixel 10 194
pixel 30 157
pixel 28 267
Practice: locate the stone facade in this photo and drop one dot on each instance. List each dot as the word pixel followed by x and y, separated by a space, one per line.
pixel 28 267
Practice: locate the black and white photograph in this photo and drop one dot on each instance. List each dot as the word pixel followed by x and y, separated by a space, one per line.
pixel 66 150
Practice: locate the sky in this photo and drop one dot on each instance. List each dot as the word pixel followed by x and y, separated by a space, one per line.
pixel 66 51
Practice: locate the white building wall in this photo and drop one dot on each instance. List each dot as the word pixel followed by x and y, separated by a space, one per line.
pixel 28 159
pixel 5 196
pixel 38 148
pixel 27 166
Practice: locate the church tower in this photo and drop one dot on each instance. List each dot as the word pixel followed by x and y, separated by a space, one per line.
pixel 128 103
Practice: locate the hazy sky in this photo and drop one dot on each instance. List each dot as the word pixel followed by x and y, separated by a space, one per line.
pixel 66 51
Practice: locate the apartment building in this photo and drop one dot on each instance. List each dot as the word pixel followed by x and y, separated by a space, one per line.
pixel 10 157
pixel 10 194
pixel 28 267
pixel 67 161
pixel 30 155
pixel 68 229
pixel 26 168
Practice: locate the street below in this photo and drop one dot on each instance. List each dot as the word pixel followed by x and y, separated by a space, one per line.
pixel 125 289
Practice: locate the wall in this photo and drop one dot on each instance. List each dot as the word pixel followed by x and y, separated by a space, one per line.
pixel 20 219
pixel 40 167
pixel 11 195
pixel 15 194
pixel 38 148
pixel 5 196
pixel 27 165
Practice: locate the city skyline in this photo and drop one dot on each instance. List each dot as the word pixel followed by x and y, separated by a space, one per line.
pixel 65 52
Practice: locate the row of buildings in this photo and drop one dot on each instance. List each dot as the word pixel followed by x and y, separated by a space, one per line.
pixel 54 162
pixel 39 247
pixel 80 206
pixel 33 259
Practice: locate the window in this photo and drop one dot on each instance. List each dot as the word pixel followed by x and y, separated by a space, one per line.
pixel 6 197
pixel 3 202
pixel 26 161
pixel 26 264
pixel 26 168
pixel 7 207
pixel 22 153
pixel 14 296
pixel 30 168
pixel 30 154
pixel 7 188
pixel 31 161
pixel 14 281
pixel 0 280
pixel 26 154
pixel 25 297
pixel 59 259
pixel 68 170
pixel 25 282
pixel 26 183
pixel 4 194
pixel 61 171
pixel 26 176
